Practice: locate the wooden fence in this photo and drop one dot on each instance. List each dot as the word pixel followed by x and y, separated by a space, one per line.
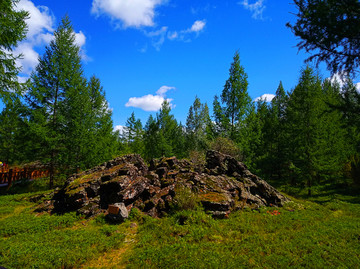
pixel 10 175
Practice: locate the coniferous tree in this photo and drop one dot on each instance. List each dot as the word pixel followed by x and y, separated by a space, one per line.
pixel 313 154
pixel 70 118
pixel 235 97
pixel 276 135
pixel 168 128
pixel 134 134
pixel 197 125
pixel 152 139
pixel 100 141
pixel 14 138
pixel 55 82
pixel 221 125
pixel 13 29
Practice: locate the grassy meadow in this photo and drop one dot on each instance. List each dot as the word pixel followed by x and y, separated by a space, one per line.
pixel 320 232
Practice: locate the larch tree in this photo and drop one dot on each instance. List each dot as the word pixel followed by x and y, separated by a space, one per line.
pixel 197 125
pixel 13 29
pixel 330 30
pixel 315 147
pixel 134 134
pixel 69 114
pixel 236 100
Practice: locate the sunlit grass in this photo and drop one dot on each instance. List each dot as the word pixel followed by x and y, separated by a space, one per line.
pixel 301 234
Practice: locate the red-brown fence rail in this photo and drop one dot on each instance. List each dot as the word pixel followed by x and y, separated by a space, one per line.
pixel 7 177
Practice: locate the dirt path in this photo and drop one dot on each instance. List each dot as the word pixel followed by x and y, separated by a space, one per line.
pixel 116 258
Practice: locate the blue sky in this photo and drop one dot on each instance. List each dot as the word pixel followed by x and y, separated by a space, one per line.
pixel 145 51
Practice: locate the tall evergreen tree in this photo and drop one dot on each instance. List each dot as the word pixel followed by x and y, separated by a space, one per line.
pixel 134 134
pixel 313 133
pixel 276 136
pixel 13 29
pixel 70 117
pixel 152 139
pixel 14 138
pixel 235 96
pixel 197 125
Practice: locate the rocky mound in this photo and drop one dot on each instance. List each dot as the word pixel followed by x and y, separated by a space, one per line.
pixel 222 185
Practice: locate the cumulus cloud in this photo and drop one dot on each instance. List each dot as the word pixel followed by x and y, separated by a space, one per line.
pixel 341 79
pixel 267 97
pixel 40 33
pixel 29 58
pixel 120 128
pixel 163 90
pixel 41 19
pixel 198 26
pixel 256 8
pixel 151 102
pixel 131 13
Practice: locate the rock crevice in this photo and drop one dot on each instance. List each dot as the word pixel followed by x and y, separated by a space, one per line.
pixel 221 186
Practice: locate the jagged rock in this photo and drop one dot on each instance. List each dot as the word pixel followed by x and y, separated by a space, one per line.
pixel 221 186
pixel 117 212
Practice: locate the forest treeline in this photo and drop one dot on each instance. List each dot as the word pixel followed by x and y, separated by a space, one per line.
pixel 306 136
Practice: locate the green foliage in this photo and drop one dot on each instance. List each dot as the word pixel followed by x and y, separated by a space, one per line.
pixel 14 136
pixel 70 119
pixel 317 144
pixel 198 126
pixel 229 118
pixel 226 146
pixel 163 135
pixel 330 29
pixel 13 29
pixel 133 135
pixel 184 199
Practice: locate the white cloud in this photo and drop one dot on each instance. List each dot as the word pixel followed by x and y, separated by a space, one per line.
pixel 132 13
pixel 80 39
pixel 341 79
pixel 41 20
pixel 173 35
pixel 267 97
pixel 256 8
pixel 40 33
pixel 157 37
pixel 198 26
pixel 29 58
pixel 163 89
pixel 185 35
pixel 151 102
pixel 120 128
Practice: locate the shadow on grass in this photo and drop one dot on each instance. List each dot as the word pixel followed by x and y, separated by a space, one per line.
pixel 324 193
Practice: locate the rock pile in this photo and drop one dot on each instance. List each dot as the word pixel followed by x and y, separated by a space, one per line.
pixel 222 185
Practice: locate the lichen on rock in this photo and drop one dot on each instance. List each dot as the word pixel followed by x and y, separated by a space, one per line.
pixel 221 186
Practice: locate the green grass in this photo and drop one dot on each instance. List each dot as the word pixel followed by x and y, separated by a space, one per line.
pixel 29 240
pixel 320 232
pixel 306 235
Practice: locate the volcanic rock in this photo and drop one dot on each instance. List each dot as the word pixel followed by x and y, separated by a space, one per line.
pixel 221 186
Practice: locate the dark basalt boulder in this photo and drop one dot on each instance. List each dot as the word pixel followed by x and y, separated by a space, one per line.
pixel 222 185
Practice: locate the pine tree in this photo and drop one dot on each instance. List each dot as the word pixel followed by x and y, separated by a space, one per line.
pixel 13 29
